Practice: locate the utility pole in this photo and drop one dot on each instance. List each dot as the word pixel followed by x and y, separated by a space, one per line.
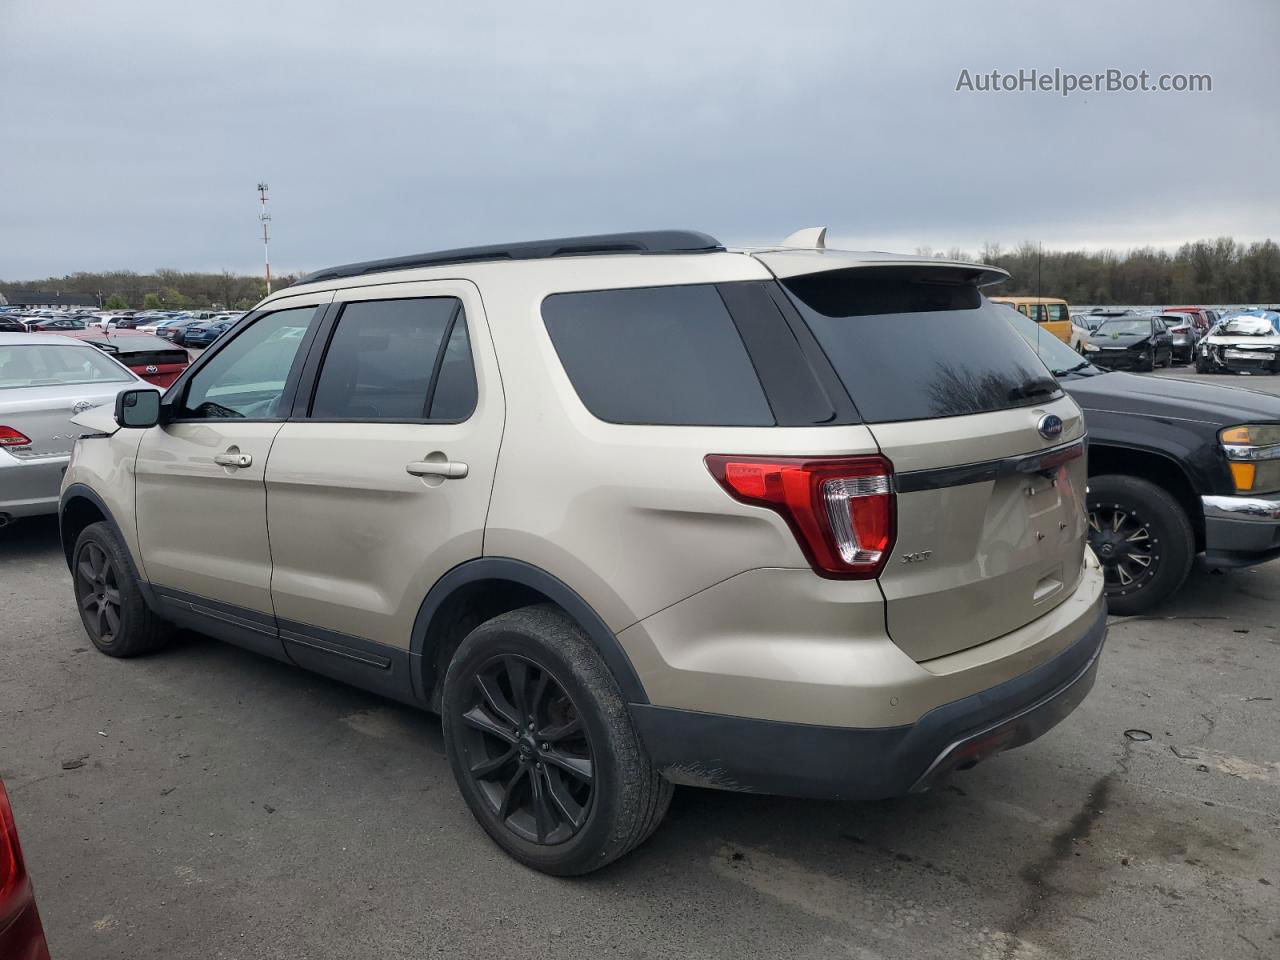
pixel 265 217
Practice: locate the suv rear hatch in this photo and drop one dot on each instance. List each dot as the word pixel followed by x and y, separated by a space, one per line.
pixel 987 450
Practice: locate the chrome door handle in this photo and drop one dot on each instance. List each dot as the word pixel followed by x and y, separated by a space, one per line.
pixel 233 459
pixel 448 469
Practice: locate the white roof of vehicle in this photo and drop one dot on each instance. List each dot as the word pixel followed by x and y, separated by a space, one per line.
pixel 17 339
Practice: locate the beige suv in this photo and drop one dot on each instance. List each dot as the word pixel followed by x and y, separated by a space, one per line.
pixel 628 511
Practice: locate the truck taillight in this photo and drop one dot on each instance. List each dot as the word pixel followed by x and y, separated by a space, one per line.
pixel 841 509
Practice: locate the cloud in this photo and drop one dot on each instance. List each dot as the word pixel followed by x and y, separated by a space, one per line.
pixel 136 133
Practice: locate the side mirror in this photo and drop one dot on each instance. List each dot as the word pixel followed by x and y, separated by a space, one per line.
pixel 138 408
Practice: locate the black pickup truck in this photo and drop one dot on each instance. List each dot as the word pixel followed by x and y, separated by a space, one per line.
pixel 1176 468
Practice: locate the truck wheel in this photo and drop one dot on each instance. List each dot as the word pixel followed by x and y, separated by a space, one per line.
pixel 1143 539
pixel 1202 365
pixel 112 609
pixel 542 746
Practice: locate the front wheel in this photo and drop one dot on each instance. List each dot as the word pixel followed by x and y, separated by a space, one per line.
pixel 542 746
pixel 1143 539
pixel 112 608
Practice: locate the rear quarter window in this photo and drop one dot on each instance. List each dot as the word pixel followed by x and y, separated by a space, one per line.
pixel 656 355
pixel 919 343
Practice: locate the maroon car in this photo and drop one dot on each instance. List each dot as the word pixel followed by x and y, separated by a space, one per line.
pixel 154 360
pixel 21 933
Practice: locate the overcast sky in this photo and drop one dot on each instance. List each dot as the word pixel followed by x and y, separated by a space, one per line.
pixel 134 132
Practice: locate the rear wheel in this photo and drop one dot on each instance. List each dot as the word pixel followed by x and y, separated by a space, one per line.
pixel 1143 539
pixel 542 746
pixel 112 609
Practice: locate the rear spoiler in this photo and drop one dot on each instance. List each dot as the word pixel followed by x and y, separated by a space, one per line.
pixel 785 263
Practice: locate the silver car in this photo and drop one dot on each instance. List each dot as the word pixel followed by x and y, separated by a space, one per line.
pixel 45 380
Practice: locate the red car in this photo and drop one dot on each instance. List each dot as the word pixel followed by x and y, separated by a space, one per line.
pixel 154 360
pixel 21 933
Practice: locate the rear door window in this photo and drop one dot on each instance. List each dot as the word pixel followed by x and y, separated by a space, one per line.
pixel 1058 312
pixel 916 344
pixel 656 355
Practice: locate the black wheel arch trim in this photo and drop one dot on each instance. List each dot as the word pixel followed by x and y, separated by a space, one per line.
pixel 1196 515
pixel 84 492
pixel 535 578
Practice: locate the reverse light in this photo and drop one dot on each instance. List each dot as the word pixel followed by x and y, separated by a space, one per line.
pixel 9 437
pixel 842 510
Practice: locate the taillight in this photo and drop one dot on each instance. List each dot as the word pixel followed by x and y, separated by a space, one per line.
pixel 13 875
pixel 10 437
pixel 21 933
pixel 841 509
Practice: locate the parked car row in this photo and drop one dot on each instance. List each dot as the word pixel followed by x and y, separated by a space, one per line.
pixel 910 526
pixel 170 325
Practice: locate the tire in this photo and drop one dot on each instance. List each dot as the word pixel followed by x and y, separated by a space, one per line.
pixel 580 717
pixel 1147 365
pixel 1202 365
pixel 1152 524
pixel 101 569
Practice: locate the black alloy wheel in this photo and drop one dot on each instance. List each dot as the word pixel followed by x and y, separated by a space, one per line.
pixel 528 751
pixel 1125 545
pixel 97 589
pixel 1143 539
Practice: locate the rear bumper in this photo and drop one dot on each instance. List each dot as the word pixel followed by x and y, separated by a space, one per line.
pixel 1240 531
pixel 805 760
pixel 30 488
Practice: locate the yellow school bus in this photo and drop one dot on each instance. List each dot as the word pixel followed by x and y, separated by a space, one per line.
pixel 1050 311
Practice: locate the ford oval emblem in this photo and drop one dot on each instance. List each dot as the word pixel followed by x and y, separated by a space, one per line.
pixel 1050 426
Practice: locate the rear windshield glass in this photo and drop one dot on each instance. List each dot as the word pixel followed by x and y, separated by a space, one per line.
pixel 656 355
pixel 47 364
pixel 915 344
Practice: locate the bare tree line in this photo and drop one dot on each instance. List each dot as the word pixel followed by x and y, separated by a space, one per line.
pixel 120 289
pixel 1206 271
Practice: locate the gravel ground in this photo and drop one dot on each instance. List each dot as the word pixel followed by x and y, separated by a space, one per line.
pixel 220 805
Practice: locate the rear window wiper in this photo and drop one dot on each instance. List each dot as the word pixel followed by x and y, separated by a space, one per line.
pixel 1078 368
pixel 1033 388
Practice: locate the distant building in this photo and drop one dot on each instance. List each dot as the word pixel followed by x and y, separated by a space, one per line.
pixel 44 299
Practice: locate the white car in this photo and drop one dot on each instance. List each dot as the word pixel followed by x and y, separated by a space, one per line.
pixel 45 380
pixel 1079 337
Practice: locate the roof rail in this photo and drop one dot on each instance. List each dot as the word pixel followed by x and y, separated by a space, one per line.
pixel 646 241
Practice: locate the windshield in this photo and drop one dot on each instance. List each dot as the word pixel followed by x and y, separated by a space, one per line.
pixel 48 364
pixel 1054 354
pixel 915 344
pixel 1119 327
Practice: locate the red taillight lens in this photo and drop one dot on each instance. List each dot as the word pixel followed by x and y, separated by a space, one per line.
pixel 841 509
pixel 10 437
pixel 13 874
pixel 21 933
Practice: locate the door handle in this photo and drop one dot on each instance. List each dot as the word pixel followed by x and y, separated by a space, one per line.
pixel 233 459
pixel 448 469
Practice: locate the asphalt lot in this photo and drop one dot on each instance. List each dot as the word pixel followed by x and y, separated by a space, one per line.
pixel 228 806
